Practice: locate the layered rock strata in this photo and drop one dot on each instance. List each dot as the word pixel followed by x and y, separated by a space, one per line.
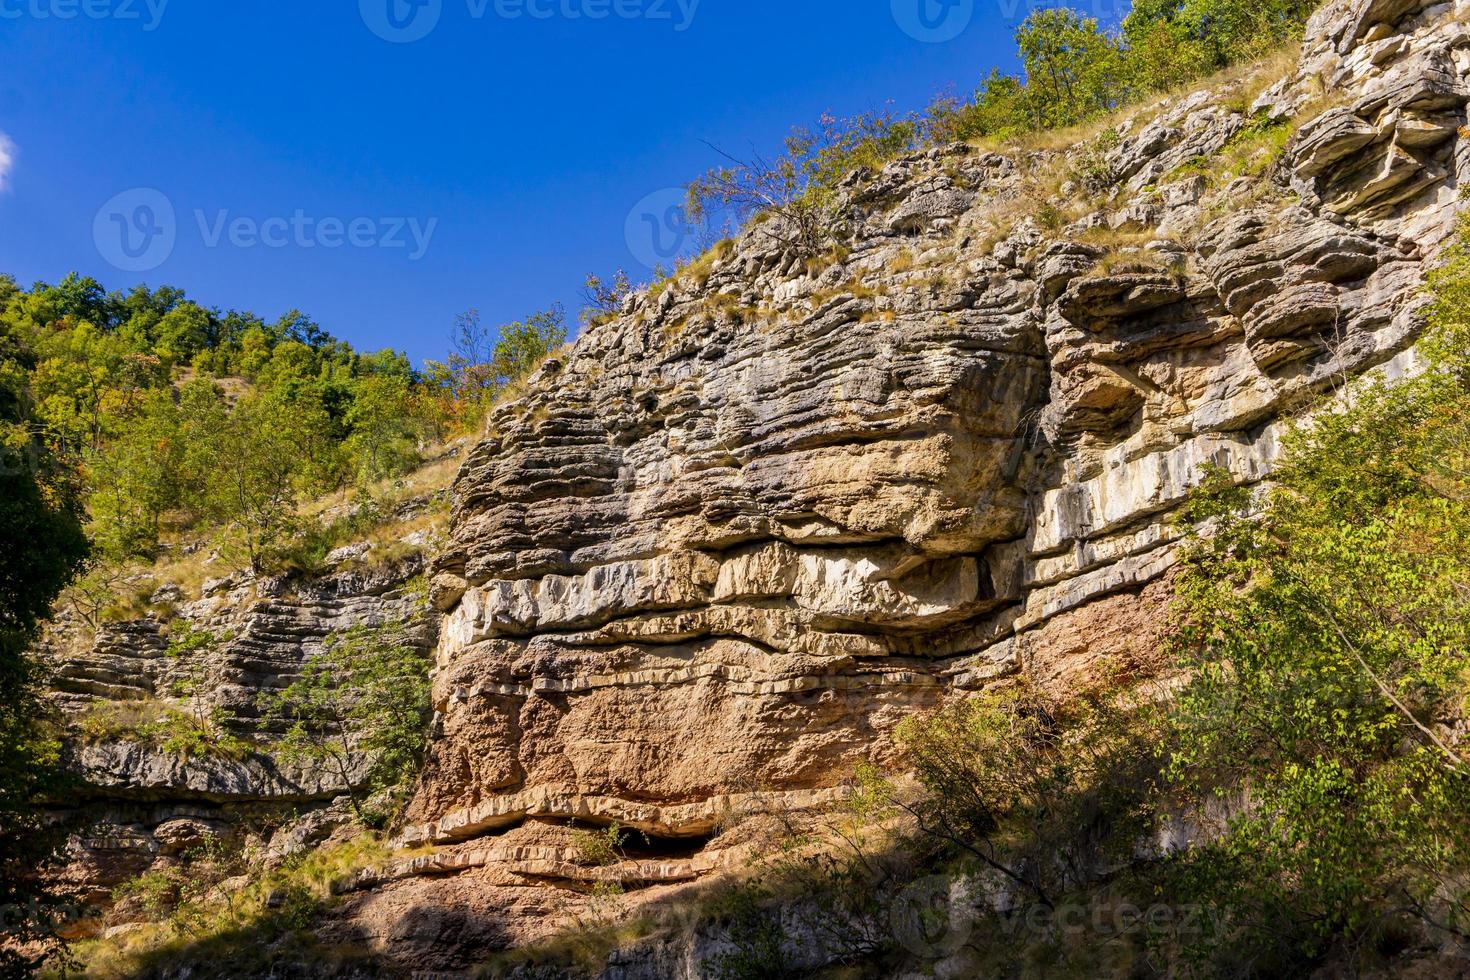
pixel 733 536
pixel 141 804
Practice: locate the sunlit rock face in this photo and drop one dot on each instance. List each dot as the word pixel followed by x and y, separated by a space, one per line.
pixel 718 549
pixel 731 537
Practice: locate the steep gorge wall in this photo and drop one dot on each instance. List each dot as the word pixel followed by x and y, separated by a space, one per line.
pixel 732 537
pixel 724 544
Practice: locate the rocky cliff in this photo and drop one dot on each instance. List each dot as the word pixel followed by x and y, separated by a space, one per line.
pixel 201 663
pixel 722 545
pixel 733 536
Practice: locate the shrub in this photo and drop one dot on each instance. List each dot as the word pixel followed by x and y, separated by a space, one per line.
pixel 1036 791
pixel 1075 71
pixel 604 299
pixel 366 694
pixel 798 191
pixel 1327 628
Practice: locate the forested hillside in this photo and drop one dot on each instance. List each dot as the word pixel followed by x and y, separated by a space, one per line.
pixel 139 428
pixel 172 414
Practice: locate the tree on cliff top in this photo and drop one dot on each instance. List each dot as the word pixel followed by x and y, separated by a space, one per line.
pixel 485 361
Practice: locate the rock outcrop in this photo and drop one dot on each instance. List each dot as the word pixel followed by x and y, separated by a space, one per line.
pixel 213 658
pixel 728 540
pixel 733 536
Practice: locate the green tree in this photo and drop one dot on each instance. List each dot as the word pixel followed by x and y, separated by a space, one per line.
pixel 252 465
pixel 183 332
pixel 1327 631
pixel 135 479
pixel 604 300
pixel 999 109
pixel 1226 30
pixel 484 361
pixel 1073 68
pixel 43 544
pixel 524 344
pixel 365 697
pixel 384 430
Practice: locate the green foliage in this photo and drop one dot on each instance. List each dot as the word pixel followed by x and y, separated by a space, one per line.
pixel 1074 70
pixel 384 439
pixel 43 547
pixel 600 848
pixel 1208 34
pixel 200 919
pixel 757 940
pixel 524 344
pixel 253 487
pixel 1327 629
pixel 147 394
pixel 604 299
pixel 485 362
pixel 1035 790
pixel 366 696
pixel 196 734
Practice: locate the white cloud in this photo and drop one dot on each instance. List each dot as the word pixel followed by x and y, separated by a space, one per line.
pixel 7 159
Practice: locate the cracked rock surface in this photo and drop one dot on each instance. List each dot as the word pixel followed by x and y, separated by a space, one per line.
pixel 726 542
pixel 735 534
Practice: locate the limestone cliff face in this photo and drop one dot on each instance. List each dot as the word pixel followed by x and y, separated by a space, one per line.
pixel 724 544
pixel 727 541
pixel 140 805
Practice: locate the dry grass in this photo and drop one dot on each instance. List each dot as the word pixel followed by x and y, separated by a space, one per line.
pixel 231 932
pixel 818 264
pixel 163 725
pixel 1241 83
pixel 699 269
pixel 1138 260
pixel 111 719
pixel 1052 167
pixel 434 475
pixel 1106 237
pixel 852 288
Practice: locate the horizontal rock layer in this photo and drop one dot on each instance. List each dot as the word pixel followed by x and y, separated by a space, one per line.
pixel 735 535
pixel 731 538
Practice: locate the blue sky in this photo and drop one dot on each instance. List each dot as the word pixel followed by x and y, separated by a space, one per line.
pixel 508 149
